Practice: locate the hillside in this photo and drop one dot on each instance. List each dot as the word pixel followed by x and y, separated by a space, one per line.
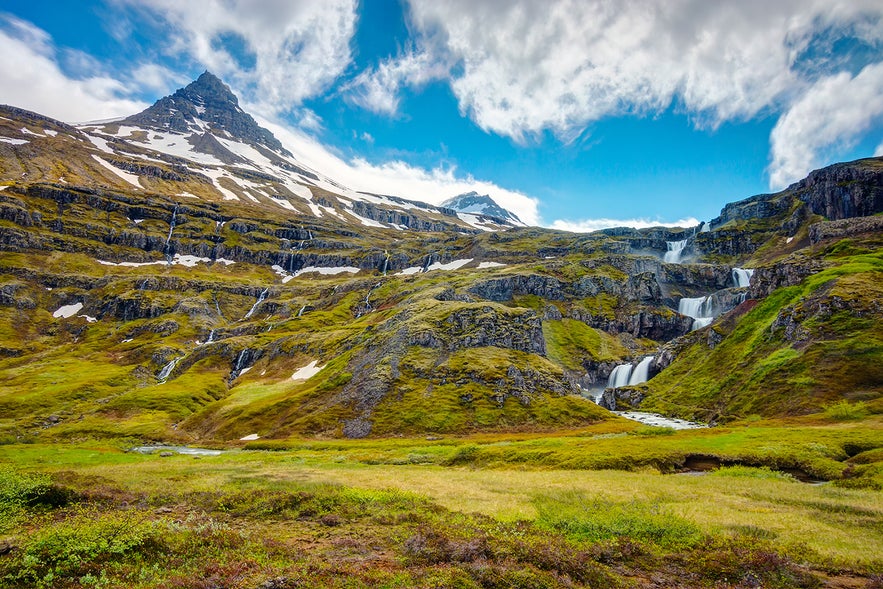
pixel 180 275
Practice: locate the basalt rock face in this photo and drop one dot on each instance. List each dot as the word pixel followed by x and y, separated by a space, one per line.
pixel 480 326
pixel 829 230
pixel 842 191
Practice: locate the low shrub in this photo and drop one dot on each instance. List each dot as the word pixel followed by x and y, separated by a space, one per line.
pixel 846 411
pixel 595 520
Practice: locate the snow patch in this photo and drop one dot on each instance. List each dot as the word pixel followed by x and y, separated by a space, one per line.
pixel 307 372
pixel 67 311
pixel 409 271
pixel 50 132
pixel 483 265
pixel 130 178
pixel 14 141
pixel 327 270
pixel 178 259
pixel 455 265
pixel 367 222
pixel 249 438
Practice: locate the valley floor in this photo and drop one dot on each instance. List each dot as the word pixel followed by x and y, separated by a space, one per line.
pixel 587 509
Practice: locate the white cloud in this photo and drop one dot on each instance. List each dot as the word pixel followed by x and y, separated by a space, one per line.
pixel 559 66
pixel 399 178
pixel 827 118
pixel 589 225
pixel 31 78
pixel 879 151
pixel 378 89
pixel 278 52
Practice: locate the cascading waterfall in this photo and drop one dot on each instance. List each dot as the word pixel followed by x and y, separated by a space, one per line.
pixel 167 370
pixel 385 264
pixel 211 337
pixel 701 309
pixel 260 300
pixel 626 375
pixel 742 277
pixel 620 376
pixel 641 373
pixel 675 248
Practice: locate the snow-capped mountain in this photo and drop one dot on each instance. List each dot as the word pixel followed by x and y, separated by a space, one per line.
pixel 217 151
pixel 478 204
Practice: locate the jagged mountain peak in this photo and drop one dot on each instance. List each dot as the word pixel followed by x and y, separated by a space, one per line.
pixel 206 105
pixel 481 204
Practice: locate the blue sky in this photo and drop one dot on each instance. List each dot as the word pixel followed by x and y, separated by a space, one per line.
pixel 574 114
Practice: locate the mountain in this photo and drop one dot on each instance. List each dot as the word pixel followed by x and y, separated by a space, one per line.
pixel 474 203
pixel 205 107
pixel 153 290
pixel 199 142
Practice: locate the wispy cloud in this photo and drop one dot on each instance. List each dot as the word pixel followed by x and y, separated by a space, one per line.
pixel 560 66
pixel 379 89
pixel 589 225
pixel 278 52
pixel 30 76
pixel 829 117
pixel 399 178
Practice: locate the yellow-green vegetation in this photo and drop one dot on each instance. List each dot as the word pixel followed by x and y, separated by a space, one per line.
pixel 409 512
pixel 796 351
pixel 570 342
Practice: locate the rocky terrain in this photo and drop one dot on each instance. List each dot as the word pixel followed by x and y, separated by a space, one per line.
pixel 180 275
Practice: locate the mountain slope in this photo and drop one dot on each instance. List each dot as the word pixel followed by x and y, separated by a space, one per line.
pixel 177 297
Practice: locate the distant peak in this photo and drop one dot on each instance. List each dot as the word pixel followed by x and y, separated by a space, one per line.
pixel 481 204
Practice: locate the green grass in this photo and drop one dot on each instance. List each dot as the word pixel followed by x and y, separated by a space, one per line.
pixel 388 512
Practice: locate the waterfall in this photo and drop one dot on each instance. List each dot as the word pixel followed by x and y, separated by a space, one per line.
pixel 211 337
pixel 701 309
pixel 171 229
pixel 301 312
pixel 641 372
pixel 385 264
pixel 261 298
pixel 742 276
pixel 239 360
pixel 620 376
pixel 701 322
pixel 675 248
pixel 427 263
pixel 167 370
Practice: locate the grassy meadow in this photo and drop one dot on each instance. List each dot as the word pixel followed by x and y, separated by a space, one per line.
pixel 606 506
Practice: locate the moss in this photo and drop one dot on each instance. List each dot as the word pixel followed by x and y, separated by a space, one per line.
pixel 570 343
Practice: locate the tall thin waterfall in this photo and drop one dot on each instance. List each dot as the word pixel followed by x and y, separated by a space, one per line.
pixel 675 249
pixel 261 298
pixel 167 370
pixel 169 237
pixel 742 276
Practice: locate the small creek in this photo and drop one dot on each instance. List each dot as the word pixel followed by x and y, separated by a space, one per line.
pixel 657 420
pixel 177 450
